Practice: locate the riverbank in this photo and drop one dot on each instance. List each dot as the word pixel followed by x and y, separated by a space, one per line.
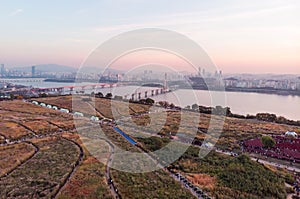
pixel 282 92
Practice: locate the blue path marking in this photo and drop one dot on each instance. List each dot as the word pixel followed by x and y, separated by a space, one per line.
pixel 125 136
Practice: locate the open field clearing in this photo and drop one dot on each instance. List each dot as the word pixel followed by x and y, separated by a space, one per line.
pixel 42 175
pixel 13 155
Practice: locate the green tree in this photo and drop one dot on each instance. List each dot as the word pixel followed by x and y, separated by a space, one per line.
pixel 150 101
pixel 99 95
pixel 43 95
pixel 12 96
pixel 268 142
pixel 188 107
pixel 171 106
pixel 108 95
pixel 195 107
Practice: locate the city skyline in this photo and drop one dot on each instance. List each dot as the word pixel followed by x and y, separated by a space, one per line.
pixel 239 36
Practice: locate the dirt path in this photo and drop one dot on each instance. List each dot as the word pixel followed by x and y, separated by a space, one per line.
pixel 112 186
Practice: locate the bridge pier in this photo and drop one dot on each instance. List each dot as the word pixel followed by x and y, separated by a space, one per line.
pixel 146 92
pixel 139 96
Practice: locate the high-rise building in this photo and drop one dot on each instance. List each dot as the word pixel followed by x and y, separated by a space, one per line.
pixel 2 70
pixel 216 74
pixel 165 82
pixel 199 71
pixel 33 71
pixel 203 72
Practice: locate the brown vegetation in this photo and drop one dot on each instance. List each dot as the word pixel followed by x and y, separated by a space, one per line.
pixel 13 155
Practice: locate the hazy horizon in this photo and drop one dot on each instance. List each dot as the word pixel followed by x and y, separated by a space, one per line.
pixel 224 72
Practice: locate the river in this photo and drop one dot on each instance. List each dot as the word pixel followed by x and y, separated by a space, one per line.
pixel 240 103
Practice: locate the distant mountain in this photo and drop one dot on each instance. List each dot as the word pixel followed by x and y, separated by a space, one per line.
pixel 97 70
pixel 48 68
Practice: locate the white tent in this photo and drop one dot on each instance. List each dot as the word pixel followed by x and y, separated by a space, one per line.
pixel 208 145
pixel 64 110
pixel 35 102
pixel 78 114
pixel 291 134
pixel 94 118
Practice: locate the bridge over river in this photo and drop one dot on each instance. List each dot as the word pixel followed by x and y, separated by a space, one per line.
pixel 137 94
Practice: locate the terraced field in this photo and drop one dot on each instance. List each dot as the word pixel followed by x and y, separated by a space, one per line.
pixel 49 162
pixel 88 180
pixel 107 108
pixel 24 120
pixel 14 155
pixel 43 174
pixel 13 131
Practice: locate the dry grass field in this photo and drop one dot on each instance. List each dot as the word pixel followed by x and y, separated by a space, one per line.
pixel 42 175
pixel 157 184
pixel 179 123
pixel 89 180
pixel 13 131
pixel 13 155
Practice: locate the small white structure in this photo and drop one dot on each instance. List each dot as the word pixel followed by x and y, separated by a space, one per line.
pixel 63 110
pixel 78 114
pixel 54 108
pixel 35 102
pixel 49 106
pixel 208 145
pixel 43 104
pixel 288 133
pixel 94 118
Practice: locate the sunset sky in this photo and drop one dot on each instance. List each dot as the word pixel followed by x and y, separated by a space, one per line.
pixel 240 36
